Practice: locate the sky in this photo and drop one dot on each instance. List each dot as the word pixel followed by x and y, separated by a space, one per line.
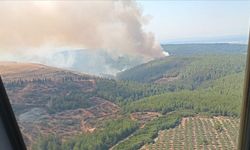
pixel 197 21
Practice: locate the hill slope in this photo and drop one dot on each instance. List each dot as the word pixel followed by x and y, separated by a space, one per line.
pixel 13 71
pixel 185 72
pixel 66 110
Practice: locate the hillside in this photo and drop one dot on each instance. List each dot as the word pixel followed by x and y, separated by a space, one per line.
pixel 88 61
pixel 154 70
pixel 31 89
pixel 219 97
pixel 61 109
pixel 13 71
pixel 185 72
pixel 52 101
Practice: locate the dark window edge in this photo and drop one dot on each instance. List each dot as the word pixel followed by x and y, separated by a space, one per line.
pixel 244 134
pixel 9 121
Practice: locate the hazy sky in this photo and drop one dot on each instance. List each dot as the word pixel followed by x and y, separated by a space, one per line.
pixel 176 20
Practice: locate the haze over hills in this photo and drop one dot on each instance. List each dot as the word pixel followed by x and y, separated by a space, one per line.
pixel 101 63
pixel 89 62
pixel 233 39
pixel 204 48
pixel 13 71
pixel 96 62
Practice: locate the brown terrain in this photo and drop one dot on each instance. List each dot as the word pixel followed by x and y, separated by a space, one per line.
pixel 11 71
pixel 166 79
pixel 31 88
pixel 52 101
pixel 144 117
pixel 69 123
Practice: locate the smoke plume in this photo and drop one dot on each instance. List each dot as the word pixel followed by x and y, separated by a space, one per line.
pixel 116 26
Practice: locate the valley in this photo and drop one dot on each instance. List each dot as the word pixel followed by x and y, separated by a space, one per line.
pixel 149 106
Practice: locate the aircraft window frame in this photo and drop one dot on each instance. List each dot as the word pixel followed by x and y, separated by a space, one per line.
pixel 244 134
pixel 9 121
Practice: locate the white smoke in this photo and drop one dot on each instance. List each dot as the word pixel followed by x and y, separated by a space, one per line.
pixel 165 53
pixel 39 26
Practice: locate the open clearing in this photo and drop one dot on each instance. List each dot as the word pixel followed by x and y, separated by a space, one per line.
pixel 199 133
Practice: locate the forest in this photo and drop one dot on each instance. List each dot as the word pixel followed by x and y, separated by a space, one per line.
pixel 209 85
pixel 192 84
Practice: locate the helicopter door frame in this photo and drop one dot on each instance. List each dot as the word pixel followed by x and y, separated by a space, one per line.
pixel 244 133
pixel 9 122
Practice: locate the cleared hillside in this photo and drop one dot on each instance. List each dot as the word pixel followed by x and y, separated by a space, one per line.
pixel 48 100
